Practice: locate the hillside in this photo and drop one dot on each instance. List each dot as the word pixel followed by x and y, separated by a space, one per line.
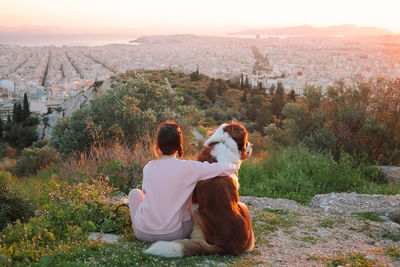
pixel 307 30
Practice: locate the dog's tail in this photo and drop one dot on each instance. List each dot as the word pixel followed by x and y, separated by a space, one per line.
pixel 182 248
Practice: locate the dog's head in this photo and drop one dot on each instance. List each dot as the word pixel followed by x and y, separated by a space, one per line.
pixel 233 137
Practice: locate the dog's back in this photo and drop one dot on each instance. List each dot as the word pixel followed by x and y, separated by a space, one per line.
pixel 226 222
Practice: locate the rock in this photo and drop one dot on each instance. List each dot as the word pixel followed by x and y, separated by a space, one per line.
pixel 71 104
pixel 384 205
pixel 106 238
pixel 269 203
pixel 391 172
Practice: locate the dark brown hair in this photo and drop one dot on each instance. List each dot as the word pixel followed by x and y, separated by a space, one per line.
pixel 170 138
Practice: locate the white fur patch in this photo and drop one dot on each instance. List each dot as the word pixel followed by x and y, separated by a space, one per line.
pixel 165 249
pixel 227 149
pixel 224 154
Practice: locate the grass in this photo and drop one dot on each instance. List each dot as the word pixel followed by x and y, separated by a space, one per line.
pixel 128 253
pixel 354 259
pixel 392 236
pixel 393 251
pixel 297 173
pixel 370 216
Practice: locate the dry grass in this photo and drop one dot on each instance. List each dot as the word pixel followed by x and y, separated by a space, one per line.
pixel 8 164
pixel 91 164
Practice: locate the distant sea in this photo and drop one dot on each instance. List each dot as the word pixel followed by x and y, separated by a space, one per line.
pixel 60 40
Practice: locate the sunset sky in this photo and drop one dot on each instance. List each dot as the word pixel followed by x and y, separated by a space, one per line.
pixel 200 13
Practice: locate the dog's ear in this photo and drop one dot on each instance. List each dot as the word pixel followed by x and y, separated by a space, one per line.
pixel 239 133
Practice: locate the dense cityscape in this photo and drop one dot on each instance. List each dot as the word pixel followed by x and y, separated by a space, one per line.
pixel 50 74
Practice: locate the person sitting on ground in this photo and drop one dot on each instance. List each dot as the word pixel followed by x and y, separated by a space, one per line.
pixel 161 210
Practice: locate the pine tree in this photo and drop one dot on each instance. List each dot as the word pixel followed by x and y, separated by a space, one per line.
pixel 278 101
pixel 1 130
pixel 246 83
pixel 211 90
pixel 272 89
pixel 26 111
pixel 292 96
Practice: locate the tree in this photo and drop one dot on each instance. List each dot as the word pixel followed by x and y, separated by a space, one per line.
pixel 17 113
pixel 245 86
pixel 221 86
pixel 292 96
pixel 212 90
pixel 26 111
pixel 195 76
pixel 272 89
pixel 278 101
pixel 1 130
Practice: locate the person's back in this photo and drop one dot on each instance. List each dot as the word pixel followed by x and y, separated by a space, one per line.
pixel 162 210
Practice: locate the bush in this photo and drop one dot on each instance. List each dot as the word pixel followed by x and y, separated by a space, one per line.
pixel 127 113
pixel 69 212
pixel 71 134
pixel 361 120
pixel 299 174
pixel 20 136
pixel 34 159
pixel 12 207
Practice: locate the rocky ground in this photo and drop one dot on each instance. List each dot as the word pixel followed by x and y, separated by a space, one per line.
pixel 326 232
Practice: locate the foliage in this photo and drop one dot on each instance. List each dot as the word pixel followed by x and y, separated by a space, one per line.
pixel 298 173
pixel 278 101
pixel 72 133
pixel 393 251
pixel 68 213
pixel 121 175
pixel 128 112
pixel 20 136
pixel 20 132
pixel 360 120
pixel 12 206
pixel 34 159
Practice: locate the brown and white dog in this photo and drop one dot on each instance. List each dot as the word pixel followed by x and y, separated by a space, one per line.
pixel 221 223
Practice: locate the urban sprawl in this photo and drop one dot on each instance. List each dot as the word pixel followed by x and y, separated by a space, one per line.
pixel 50 74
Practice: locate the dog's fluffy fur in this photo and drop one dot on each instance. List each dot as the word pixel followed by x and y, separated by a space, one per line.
pixel 221 223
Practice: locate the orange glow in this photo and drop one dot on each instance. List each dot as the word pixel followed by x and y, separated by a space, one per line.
pixel 183 14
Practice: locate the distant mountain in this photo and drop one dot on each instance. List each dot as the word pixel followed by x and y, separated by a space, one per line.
pixel 307 30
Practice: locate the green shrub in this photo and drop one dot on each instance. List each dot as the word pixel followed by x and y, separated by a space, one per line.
pixel 69 212
pixel 123 176
pixel 33 160
pixel 298 173
pixel 129 112
pixel 71 134
pixel 12 207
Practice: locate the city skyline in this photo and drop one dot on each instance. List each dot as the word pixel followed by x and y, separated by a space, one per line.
pixel 197 17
